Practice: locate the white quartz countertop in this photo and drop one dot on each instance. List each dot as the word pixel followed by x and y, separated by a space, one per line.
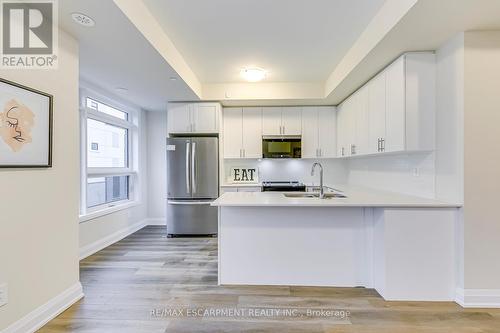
pixel 356 197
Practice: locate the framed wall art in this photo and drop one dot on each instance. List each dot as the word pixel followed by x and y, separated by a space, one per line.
pixel 25 127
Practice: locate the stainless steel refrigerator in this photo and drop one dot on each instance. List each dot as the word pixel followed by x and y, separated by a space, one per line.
pixel 193 183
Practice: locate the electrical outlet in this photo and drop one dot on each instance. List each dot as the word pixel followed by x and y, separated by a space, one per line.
pixel 4 294
pixel 416 172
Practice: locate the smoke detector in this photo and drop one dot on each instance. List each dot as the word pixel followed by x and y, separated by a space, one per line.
pixel 83 19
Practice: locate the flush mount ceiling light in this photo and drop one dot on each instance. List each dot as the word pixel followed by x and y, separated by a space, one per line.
pixel 83 19
pixel 253 74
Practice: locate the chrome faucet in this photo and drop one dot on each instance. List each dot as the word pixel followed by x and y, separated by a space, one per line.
pixel 321 190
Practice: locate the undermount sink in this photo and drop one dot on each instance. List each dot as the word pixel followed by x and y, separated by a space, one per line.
pixel 314 195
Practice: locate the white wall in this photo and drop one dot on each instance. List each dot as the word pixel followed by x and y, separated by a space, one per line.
pixel 482 161
pixel 156 128
pixel 411 174
pixel 39 207
pixel 95 232
pixel 450 120
pixel 292 169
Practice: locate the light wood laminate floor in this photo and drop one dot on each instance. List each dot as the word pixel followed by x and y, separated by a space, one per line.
pixel 141 283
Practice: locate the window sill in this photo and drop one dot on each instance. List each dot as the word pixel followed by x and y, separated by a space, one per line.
pixel 108 210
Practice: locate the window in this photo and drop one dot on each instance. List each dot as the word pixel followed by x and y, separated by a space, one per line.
pixel 107 145
pixel 104 190
pixel 108 173
pixel 101 107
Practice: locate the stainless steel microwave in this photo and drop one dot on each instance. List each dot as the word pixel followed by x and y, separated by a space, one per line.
pixel 281 147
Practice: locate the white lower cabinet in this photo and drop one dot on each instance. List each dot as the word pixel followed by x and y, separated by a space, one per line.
pixel 393 112
pixel 319 132
pixel 242 132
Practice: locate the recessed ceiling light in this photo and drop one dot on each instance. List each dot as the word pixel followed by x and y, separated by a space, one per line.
pixel 253 74
pixel 121 89
pixel 83 19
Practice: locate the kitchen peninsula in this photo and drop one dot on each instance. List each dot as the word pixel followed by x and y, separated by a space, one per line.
pixel 402 246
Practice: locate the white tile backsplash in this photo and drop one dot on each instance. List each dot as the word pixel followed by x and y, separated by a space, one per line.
pixel 291 169
pixel 412 174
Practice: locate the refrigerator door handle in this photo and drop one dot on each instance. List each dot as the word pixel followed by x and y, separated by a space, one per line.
pixel 188 175
pixel 193 167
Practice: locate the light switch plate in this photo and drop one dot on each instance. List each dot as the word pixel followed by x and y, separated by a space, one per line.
pixel 4 294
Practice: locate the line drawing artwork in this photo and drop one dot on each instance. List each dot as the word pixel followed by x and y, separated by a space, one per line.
pixel 16 123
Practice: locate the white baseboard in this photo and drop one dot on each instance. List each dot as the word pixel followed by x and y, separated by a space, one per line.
pixel 478 298
pixel 48 311
pixel 100 244
pixel 156 221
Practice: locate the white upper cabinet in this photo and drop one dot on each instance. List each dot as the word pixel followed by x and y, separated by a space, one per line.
pixel 242 132
pixel 291 120
pixel 346 127
pixel 179 118
pixel 327 136
pixel 310 133
pixel 281 121
pixel 206 117
pixel 271 121
pixel 395 97
pixel 193 118
pixel 377 112
pixel 361 139
pixel 233 137
pixel 319 132
pixel 393 112
pixel 252 133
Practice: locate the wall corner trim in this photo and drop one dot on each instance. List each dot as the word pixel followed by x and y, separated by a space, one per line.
pixel 36 319
pixel 478 298
pixel 100 244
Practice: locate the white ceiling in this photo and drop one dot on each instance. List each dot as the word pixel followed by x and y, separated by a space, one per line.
pixel 317 51
pixel 114 53
pixel 297 41
pixel 426 27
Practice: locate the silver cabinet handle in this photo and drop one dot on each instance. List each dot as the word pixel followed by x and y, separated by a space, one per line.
pixel 342 151
pixel 378 144
pixel 193 167
pixel 353 149
pixel 283 129
pixel 244 152
pixel 382 144
pixel 188 170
